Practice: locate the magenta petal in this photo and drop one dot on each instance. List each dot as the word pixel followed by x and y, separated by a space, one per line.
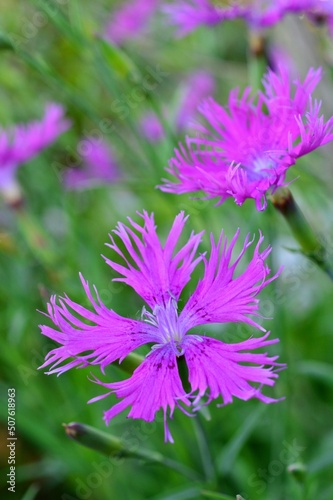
pixel 111 336
pixel 218 369
pixel 155 272
pixel 155 384
pixel 220 296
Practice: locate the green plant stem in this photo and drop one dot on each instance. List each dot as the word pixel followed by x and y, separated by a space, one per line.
pixel 309 242
pixel 130 363
pixel 116 448
pixel 37 239
pixel 257 62
pixel 205 454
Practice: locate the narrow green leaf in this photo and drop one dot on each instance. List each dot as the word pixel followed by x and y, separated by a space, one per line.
pixel 31 492
pixel 323 458
pixel 50 77
pixel 55 14
pixel 37 239
pixel 229 454
pixel 204 450
pixel 316 369
pixel 5 42
pixel 118 60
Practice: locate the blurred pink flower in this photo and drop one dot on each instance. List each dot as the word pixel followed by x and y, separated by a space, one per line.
pixel 22 142
pixel 247 148
pixel 98 165
pixel 151 127
pixel 129 20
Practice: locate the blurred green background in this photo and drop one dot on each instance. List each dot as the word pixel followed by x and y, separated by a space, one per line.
pixel 241 449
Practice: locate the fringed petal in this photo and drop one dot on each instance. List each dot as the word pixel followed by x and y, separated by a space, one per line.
pixel 223 370
pixel 154 385
pixel 109 338
pixel 220 296
pixel 155 272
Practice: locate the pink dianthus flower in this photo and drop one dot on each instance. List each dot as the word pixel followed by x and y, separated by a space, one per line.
pixel 247 147
pixel 159 274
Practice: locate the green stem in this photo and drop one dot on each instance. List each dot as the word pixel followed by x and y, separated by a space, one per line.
pixel 257 62
pixel 130 363
pixel 37 239
pixel 205 454
pixel 116 448
pixel 71 93
pixel 310 245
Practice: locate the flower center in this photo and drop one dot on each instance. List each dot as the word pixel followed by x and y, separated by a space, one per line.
pixel 260 167
pixel 166 320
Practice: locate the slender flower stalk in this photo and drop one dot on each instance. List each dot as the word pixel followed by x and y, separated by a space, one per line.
pixel 309 242
pixel 112 446
pixel 247 147
pixel 159 274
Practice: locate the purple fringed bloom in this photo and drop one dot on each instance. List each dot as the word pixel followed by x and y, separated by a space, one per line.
pixel 248 147
pixel 159 274
pixel 22 142
pixel 98 165
pixel 187 15
pixel 129 20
